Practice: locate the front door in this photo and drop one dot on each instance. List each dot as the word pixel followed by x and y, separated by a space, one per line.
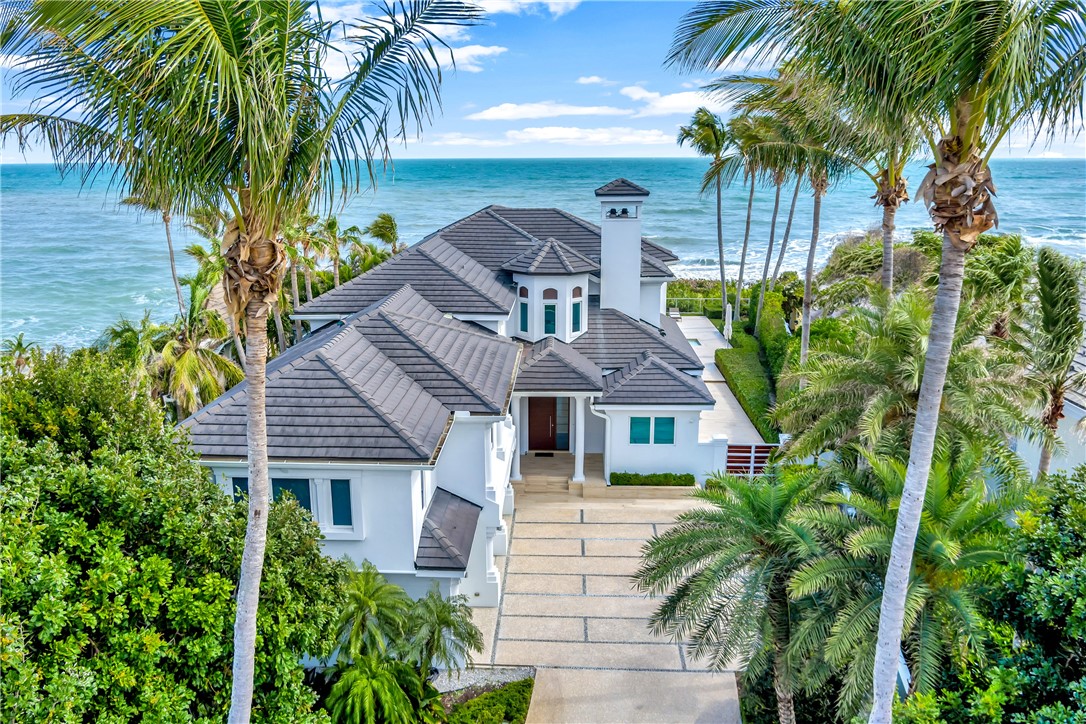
pixel 542 423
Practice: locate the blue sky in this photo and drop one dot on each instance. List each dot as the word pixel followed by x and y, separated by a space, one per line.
pixel 564 79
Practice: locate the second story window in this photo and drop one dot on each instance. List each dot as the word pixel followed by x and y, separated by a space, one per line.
pixel 524 310
pixel 550 312
pixel 576 309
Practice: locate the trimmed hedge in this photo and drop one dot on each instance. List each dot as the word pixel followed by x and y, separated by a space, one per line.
pixel 773 333
pixel 685 479
pixel 507 704
pixel 749 381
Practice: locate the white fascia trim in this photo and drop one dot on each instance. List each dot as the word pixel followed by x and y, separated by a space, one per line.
pixel 657 280
pixel 654 408
pixel 560 393
pixel 296 464
pixel 481 317
pixel 436 573
pixel 325 318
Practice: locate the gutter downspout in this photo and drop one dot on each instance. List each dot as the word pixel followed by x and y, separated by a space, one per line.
pixel 606 439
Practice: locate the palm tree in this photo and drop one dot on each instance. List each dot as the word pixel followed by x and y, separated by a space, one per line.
pixel 193 371
pixel 380 690
pixel 18 351
pixel 747 131
pixel 1055 335
pixel 724 571
pixel 800 172
pixel 1002 272
pixel 384 229
pixel 444 635
pixel 708 136
pixel 363 256
pixel 334 237
pixel 865 393
pixel 136 344
pixel 149 203
pixel 375 615
pixel 960 536
pixel 232 105
pixel 965 74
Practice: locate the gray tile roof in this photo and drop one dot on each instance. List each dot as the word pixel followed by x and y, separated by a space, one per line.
pixel 551 257
pixel 450 279
pixel 448 531
pixel 621 187
pixel 648 380
pixel 380 385
pixel 551 365
pixel 612 339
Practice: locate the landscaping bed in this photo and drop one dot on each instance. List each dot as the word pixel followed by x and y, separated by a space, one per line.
pixel 490 703
pixel 654 479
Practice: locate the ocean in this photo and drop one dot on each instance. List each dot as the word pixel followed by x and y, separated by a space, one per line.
pixel 73 261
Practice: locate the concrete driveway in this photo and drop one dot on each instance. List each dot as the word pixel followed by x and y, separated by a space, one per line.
pixel 569 609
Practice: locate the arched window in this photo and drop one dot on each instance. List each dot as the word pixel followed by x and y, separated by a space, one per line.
pixel 577 293
pixel 576 309
pixel 524 292
pixel 550 293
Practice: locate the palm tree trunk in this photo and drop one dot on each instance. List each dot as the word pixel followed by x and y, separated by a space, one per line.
pixel 256 531
pixel 888 213
pixel 335 264
pixel 280 333
pixel 892 613
pixel 166 219
pixel 808 280
pixel 743 256
pixel 294 298
pixel 787 232
pixel 786 710
pixel 1050 418
pixel 308 274
pixel 768 257
pixel 239 347
pixel 720 251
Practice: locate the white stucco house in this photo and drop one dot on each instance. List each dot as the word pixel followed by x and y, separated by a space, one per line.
pixel 401 421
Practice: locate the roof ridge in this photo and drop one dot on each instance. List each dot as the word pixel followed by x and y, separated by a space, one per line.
pixel 436 359
pixel 446 545
pixel 511 225
pixel 553 349
pixel 386 415
pixel 642 324
pixel 474 287
pixel 672 370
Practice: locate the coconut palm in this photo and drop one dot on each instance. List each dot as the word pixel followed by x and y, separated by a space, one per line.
pixel 137 344
pixel 865 393
pixel 724 571
pixel 148 202
pixel 966 73
pixel 363 256
pixel 1055 334
pixel 708 136
pixel 192 370
pixel 231 105
pixel 333 237
pixel 384 229
pixel 800 172
pixel 375 614
pixel 443 634
pixel 961 534
pixel 748 131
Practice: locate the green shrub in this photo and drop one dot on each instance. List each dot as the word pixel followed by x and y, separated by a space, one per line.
pixel 773 333
pixel 119 559
pixel 749 381
pixel 652 479
pixel 507 704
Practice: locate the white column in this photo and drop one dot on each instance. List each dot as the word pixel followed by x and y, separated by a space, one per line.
pixel 578 440
pixel 514 406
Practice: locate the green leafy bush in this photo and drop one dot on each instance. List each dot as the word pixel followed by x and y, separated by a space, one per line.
pixel 119 556
pixel 653 479
pixel 773 333
pixel 749 381
pixel 507 704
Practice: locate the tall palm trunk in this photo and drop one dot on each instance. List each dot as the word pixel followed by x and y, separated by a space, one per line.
pixel 280 333
pixel 720 251
pixel 1050 418
pixel 768 253
pixel 888 213
pixel 166 221
pixel 957 191
pixel 294 298
pixel 819 186
pixel 335 263
pixel 743 256
pixel 786 710
pixel 892 614
pixel 782 675
pixel 308 273
pixel 787 233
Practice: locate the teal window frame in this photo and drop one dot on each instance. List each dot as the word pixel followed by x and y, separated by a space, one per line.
pixel 576 316
pixel 663 431
pixel 341 503
pixel 640 430
pixel 550 319
pixel 524 317
pixel 298 487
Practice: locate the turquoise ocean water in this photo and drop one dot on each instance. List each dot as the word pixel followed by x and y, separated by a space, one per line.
pixel 72 261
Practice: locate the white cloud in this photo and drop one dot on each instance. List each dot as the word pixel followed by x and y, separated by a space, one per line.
pixel 595 80
pixel 543 109
pixel 463 139
pixel 555 7
pixel 1049 154
pixel 469 57
pixel 574 136
pixel 669 104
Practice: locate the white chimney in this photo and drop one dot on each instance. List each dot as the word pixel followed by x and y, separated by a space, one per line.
pixel 620 246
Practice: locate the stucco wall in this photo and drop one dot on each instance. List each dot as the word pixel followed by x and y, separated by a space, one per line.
pixel 684 456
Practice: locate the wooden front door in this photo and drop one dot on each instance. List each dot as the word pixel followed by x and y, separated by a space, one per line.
pixel 542 423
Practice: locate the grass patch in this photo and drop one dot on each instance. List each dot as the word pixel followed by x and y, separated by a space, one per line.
pixel 749 381
pixel 508 703
pixel 670 479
